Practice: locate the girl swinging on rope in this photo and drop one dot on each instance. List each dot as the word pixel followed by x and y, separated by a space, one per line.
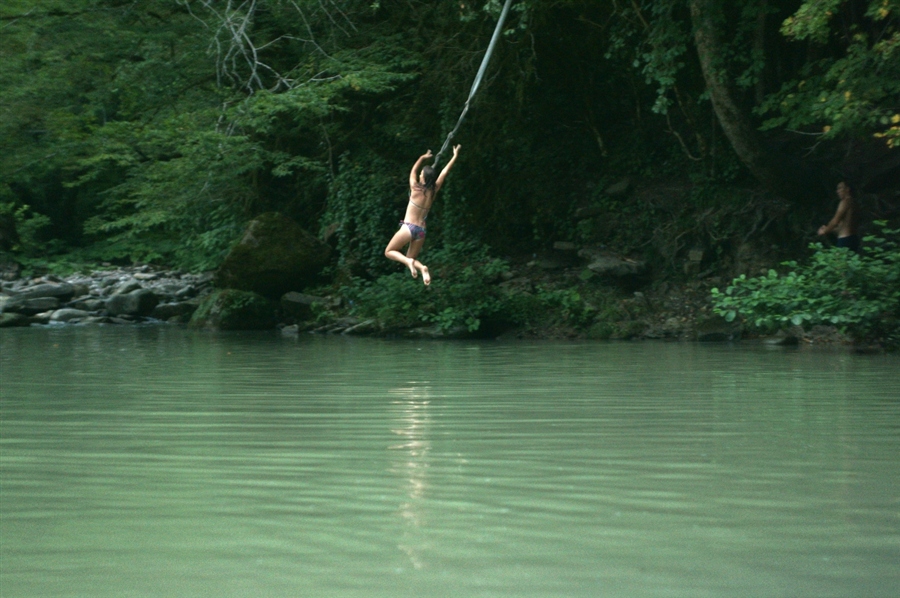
pixel 424 185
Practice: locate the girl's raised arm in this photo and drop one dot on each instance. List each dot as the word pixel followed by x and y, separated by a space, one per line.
pixel 446 170
pixel 414 173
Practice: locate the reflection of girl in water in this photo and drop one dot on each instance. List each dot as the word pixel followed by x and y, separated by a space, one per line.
pixel 411 461
pixel 423 187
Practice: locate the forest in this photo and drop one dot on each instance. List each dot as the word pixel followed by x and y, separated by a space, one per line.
pixel 154 131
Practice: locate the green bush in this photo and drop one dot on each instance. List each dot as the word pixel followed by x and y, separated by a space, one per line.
pixel 463 292
pixel 365 205
pixel 860 293
pixel 567 305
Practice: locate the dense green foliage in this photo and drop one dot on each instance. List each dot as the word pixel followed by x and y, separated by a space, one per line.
pixel 464 297
pixel 463 294
pixel 857 292
pixel 844 93
pixel 153 131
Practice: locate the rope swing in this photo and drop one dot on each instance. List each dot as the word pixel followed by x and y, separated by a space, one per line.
pixel 477 82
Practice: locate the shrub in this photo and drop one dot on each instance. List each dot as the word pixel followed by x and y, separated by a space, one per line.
pixel 463 292
pixel 860 293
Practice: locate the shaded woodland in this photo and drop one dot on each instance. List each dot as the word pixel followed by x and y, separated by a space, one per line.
pixel 153 131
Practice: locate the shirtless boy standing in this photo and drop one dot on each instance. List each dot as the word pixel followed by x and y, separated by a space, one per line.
pixel 845 220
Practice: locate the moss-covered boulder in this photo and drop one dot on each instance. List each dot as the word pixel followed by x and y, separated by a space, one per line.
pixel 230 309
pixel 274 256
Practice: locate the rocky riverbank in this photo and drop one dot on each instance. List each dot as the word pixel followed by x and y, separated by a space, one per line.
pixel 114 296
pixel 147 295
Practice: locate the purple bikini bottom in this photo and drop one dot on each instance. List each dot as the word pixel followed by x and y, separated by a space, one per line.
pixel 417 232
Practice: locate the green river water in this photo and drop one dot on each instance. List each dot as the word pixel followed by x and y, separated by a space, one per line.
pixel 157 461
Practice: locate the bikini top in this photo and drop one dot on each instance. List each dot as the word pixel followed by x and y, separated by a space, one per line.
pixel 419 185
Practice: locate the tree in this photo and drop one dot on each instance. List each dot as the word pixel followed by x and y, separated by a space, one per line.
pixel 850 91
pixel 709 21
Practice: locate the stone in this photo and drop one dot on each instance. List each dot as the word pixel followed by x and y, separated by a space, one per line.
pixel 10 320
pixel 231 309
pixel 607 265
pixel 185 292
pixel 61 291
pixel 136 303
pixel 93 320
pixel 274 256
pixel 298 306
pixel 180 311
pixel 80 289
pixel 167 289
pixel 68 314
pixel 88 304
pixel 364 327
pixel 37 305
pixel 127 287
pixel 338 326
pixel 712 329
pixel 620 188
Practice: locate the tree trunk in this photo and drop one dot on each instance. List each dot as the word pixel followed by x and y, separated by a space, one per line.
pixel 708 19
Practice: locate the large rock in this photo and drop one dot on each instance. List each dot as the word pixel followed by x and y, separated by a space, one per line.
pixel 299 307
pixel 181 310
pixel 136 303
pixel 230 309
pixel 68 314
pixel 60 291
pixel 88 304
pixel 274 256
pixel 127 287
pixel 38 305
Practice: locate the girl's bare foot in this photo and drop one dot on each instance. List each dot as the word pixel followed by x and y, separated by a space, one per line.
pixel 412 269
pixel 426 277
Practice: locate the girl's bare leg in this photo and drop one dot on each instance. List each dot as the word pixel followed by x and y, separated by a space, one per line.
pixel 414 248
pixel 397 242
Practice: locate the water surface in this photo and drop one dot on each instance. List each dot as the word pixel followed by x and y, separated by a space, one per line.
pixel 156 461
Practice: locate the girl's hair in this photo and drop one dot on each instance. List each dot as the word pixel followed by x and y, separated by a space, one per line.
pixel 430 176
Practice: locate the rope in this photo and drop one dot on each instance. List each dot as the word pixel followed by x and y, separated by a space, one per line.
pixel 477 82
